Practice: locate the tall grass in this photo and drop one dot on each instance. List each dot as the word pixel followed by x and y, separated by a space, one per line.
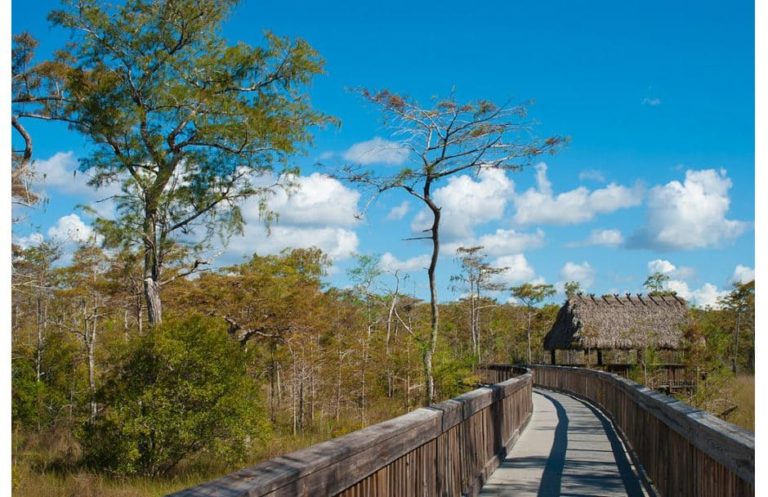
pixel 37 471
pixel 741 391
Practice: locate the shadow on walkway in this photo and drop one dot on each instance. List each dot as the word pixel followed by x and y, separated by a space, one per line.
pixel 552 477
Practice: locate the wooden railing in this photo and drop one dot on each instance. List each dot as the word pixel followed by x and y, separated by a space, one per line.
pixel 684 451
pixel 447 449
pixel 496 373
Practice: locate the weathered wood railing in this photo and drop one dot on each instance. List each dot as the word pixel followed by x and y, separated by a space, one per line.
pixel 496 373
pixel 684 451
pixel 447 449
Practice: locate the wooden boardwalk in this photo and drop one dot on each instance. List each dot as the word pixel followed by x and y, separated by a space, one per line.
pixel 568 449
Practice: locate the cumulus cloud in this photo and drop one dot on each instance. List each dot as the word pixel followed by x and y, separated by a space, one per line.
pixel 743 274
pixel 391 263
pixel 31 240
pixel 706 296
pixel 665 267
pixel 59 173
pixel 320 213
pixel 607 238
pixel 516 270
pixel 319 200
pixel 541 205
pixel 584 273
pixel 399 212
pixel 377 151
pixel 70 228
pixel 689 215
pixel 338 243
pixel 501 242
pixel 467 202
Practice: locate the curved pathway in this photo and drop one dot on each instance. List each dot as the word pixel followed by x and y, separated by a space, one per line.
pixel 568 449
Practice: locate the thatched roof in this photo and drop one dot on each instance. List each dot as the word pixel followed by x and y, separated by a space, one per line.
pixel 614 322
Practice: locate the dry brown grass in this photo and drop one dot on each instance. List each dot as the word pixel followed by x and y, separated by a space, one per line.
pixel 741 392
pixel 31 484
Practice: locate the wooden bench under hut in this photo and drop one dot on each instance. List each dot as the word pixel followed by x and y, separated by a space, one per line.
pixel 620 329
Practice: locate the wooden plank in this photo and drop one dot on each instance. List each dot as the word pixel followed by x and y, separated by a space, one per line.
pixel 726 444
pixel 263 478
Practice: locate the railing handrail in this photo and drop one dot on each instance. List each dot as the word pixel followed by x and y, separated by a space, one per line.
pixel 366 450
pixel 727 444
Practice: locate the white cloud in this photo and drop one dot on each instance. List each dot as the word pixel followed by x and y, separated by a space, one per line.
pixel 60 173
pixel 660 266
pixel 540 205
pixel 31 240
pixel 501 242
pixel 592 175
pixel 319 200
pixel 651 101
pixel 467 202
pixel 689 215
pixel 320 213
pixel 391 263
pixel 743 274
pixel 583 273
pixel 607 238
pixel 70 228
pixel 377 151
pixel 517 270
pixel 665 267
pixel 338 243
pixel 706 296
pixel 399 212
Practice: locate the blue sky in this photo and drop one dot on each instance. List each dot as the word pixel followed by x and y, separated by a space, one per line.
pixel 657 98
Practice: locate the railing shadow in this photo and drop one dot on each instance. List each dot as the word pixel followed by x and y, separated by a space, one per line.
pixel 552 477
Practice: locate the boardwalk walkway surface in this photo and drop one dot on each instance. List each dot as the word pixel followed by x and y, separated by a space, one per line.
pixel 568 449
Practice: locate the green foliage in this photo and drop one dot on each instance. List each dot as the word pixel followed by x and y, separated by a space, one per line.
pixel 530 294
pixel 184 122
pixel 655 284
pixel 572 288
pixel 453 375
pixel 178 392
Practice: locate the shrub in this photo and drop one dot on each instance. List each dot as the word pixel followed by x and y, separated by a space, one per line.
pixel 179 391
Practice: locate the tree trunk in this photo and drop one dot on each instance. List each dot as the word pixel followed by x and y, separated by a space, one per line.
pixel 40 340
pixel 152 296
pixel 338 387
pixel 272 374
pixel 139 317
pixel 430 351
pixel 90 344
pixel 735 358
pixel 152 268
pixel 528 333
pixel 388 350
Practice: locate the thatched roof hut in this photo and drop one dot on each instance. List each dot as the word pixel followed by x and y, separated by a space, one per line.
pixel 614 322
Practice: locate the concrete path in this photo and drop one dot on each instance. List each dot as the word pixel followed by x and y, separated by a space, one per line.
pixel 568 449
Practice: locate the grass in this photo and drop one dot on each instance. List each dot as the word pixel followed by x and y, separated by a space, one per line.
pixel 35 454
pixel 741 392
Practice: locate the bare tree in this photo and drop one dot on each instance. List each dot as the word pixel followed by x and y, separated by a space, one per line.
pixel 446 139
pixel 531 295
pixel 476 276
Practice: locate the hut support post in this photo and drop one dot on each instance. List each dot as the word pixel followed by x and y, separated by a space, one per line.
pixel 599 357
pixel 553 357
